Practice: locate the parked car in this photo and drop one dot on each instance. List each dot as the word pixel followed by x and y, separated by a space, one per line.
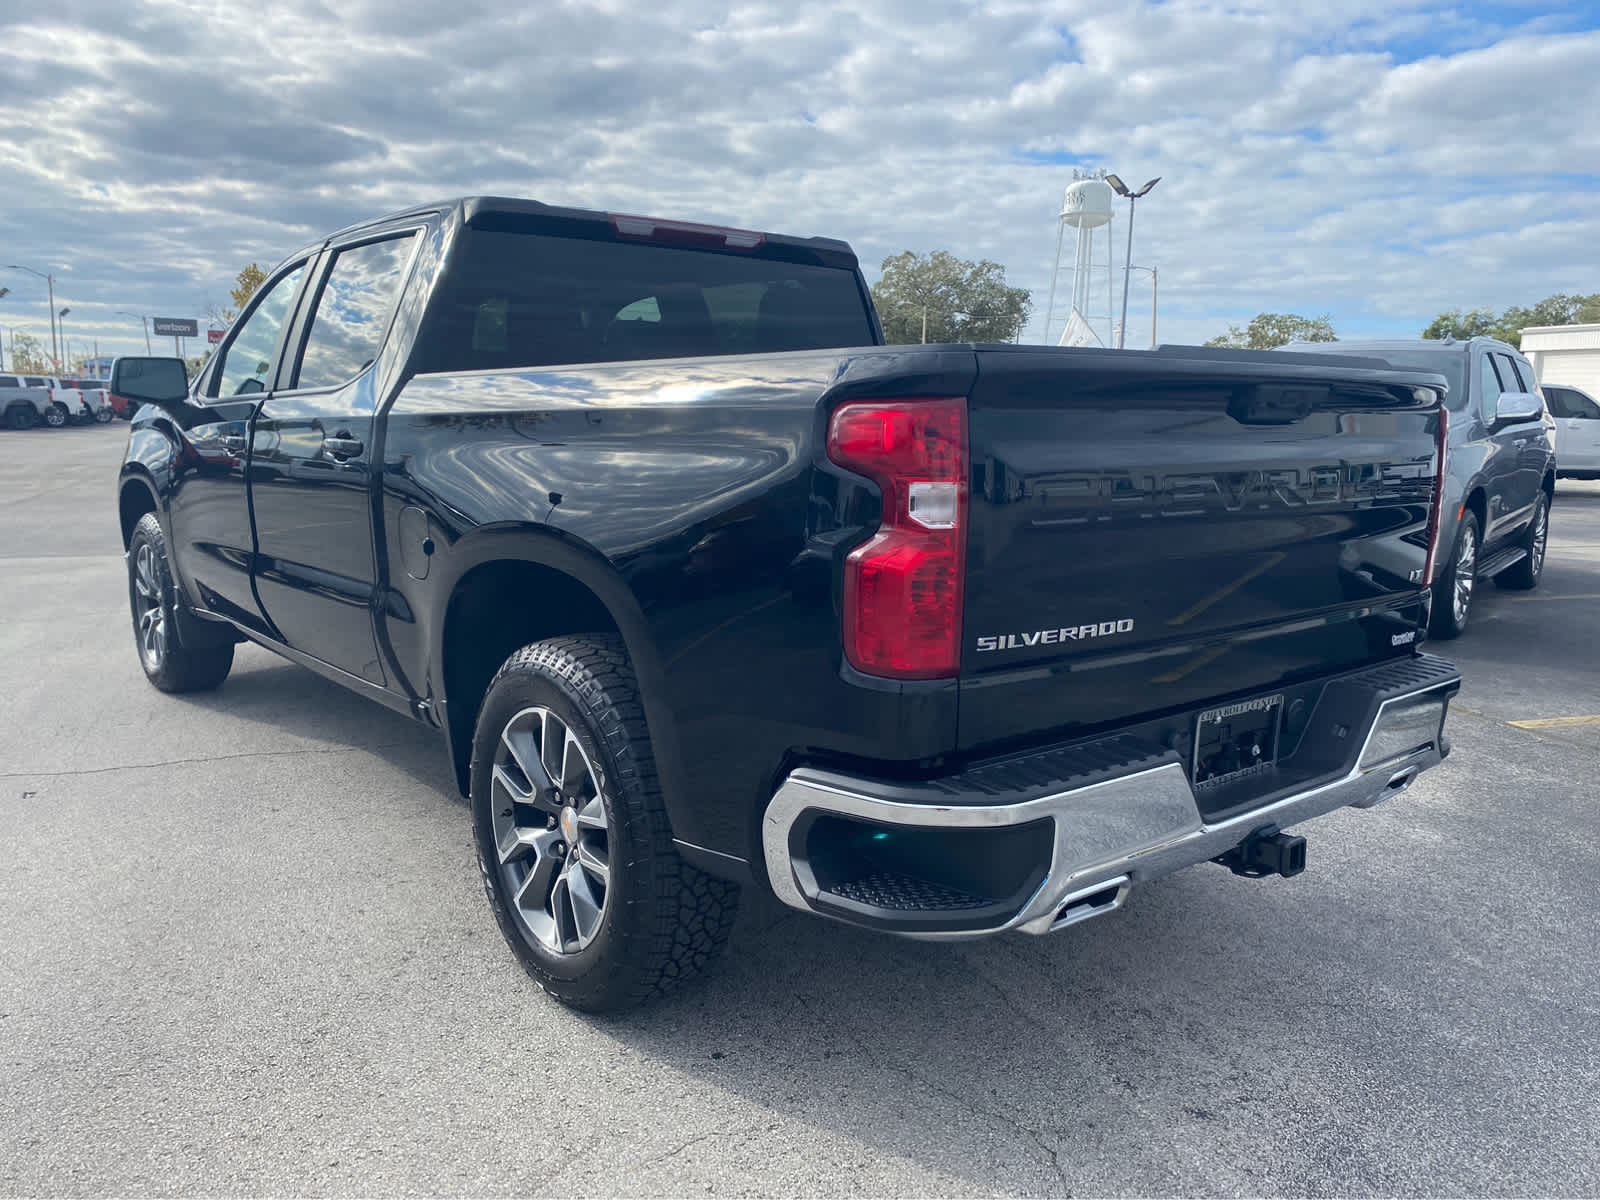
pixel 1501 465
pixel 96 396
pixel 66 404
pixel 122 406
pixel 1577 431
pixel 705 586
pixel 24 400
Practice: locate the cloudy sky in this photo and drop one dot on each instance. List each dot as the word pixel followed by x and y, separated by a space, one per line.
pixel 1377 160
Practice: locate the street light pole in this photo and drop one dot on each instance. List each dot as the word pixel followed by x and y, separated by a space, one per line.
pixel 144 323
pixel 1155 283
pixel 1127 259
pixel 62 316
pixel 50 285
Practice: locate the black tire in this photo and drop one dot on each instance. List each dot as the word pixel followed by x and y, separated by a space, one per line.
pixel 661 921
pixel 1450 616
pixel 57 416
pixel 168 663
pixel 22 416
pixel 1525 575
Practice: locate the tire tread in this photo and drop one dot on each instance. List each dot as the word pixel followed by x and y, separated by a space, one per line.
pixel 679 926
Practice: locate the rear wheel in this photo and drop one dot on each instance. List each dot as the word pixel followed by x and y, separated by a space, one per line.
pixel 1524 576
pixel 572 834
pixel 56 416
pixel 1453 590
pixel 22 416
pixel 168 663
pixel 104 414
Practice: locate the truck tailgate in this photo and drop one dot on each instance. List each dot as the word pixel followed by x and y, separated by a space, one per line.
pixel 1151 531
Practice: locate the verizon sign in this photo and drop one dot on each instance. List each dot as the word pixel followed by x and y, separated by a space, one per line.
pixel 174 327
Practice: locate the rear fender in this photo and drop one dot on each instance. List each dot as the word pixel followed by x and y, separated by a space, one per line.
pixel 578 560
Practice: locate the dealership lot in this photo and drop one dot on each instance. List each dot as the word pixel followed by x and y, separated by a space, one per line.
pixel 243 948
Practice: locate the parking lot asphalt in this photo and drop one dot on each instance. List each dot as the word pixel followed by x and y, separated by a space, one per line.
pixel 244 949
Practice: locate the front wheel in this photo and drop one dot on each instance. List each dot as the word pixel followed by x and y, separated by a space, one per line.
pixel 1524 576
pixel 167 662
pixel 56 416
pixel 572 833
pixel 1453 590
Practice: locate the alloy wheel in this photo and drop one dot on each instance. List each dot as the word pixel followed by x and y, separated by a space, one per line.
pixel 55 416
pixel 550 830
pixel 150 616
pixel 1466 574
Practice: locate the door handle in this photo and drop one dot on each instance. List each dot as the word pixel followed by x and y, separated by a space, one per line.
pixel 343 446
pixel 234 443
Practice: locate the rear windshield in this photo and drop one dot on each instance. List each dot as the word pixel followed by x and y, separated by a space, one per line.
pixel 514 300
pixel 1449 363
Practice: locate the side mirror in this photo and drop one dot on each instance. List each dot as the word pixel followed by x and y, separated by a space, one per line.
pixel 1516 407
pixel 162 381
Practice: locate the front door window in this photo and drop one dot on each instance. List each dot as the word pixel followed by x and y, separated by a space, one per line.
pixel 249 355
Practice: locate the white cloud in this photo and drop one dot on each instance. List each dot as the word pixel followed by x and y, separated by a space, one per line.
pixel 1380 160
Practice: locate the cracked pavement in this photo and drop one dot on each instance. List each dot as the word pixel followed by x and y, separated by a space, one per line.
pixel 244 950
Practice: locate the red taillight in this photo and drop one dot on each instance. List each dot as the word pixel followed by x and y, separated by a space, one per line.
pixel 1436 516
pixel 903 588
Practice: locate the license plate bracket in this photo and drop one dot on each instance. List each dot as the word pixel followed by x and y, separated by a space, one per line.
pixel 1236 741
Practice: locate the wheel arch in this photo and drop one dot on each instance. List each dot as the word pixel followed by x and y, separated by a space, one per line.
pixel 136 496
pixel 475 630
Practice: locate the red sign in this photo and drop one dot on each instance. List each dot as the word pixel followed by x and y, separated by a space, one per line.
pixel 214 335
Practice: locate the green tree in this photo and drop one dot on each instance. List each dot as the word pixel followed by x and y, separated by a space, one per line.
pixel 1479 322
pixel 28 356
pixel 1560 309
pixel 960 301
pixel 1267 330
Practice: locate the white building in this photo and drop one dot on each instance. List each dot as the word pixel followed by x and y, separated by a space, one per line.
pixel 1568 354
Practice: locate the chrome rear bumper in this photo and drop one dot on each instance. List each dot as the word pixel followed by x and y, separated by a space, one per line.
pixel 1105 836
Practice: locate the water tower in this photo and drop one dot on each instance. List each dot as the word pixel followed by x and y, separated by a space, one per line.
pixel 1086 208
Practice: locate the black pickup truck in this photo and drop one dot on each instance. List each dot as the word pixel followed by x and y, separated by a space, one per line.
pixel 707 587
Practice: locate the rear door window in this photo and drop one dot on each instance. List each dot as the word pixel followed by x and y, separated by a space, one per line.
pixel 353 312
pixel 36 381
